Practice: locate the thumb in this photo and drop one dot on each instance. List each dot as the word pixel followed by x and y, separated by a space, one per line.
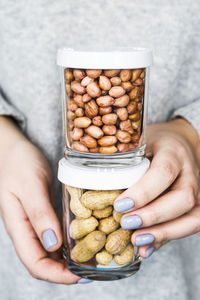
pixel 38 207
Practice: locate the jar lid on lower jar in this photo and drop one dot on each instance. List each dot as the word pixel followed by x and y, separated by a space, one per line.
pixel 96 178
pixel 105 58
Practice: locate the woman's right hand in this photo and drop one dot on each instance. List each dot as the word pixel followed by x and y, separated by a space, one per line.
pixel 26 209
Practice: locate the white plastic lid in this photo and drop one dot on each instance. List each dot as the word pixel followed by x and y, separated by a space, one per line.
pixel 101 178
pixel 116 58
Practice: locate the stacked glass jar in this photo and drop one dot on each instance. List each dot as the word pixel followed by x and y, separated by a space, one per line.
pixel 104 96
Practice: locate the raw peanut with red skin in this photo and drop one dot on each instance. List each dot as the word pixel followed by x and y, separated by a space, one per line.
pixel 104 83
pixel 82 122
pixel 71 115
pixel 134 93
pixel 115 81
pixel 105 110
pixel 138 82
pixel 125 75
pixel 77 87
pixel 135 117
pixel 123 136
pixel 106 141
pixel 123 147
pixel 132 146
pixel 79 112
pixel 68 75
pixel 122 101
pixel 104 93
pixel 88 141
pixel 105 101
pixel 127 86
pixel 127 126
pixel 122 113
pixel 136 125
pixel 70 124
pixel 135 138
pixel 79 147
pixel 93 90
pixel 139 106
pixel 91 109
pixel 86 98
pixel 110 119
pixel 135 74
pixel 78 74
pixel 71 105
pixel 142 75
pixel 94 131
pixel 78 99
pixel 77 133
pixel 109 129
pixel 85 81
pixel 70 136
pixel 93 73
pixel 111 73
pixel 132 107
pixel 97 121
pixel 108 150
pixel 94 150
pixel 68 90
pixel 116 91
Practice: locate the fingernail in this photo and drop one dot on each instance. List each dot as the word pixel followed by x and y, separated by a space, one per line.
pixel 84 281
pixel 150 251
pixel 123 205
pixel 49 238
pixel 131 222
pixel 144 239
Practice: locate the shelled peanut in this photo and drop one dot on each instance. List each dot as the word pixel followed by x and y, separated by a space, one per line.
pixel 96 228
pixel 104 109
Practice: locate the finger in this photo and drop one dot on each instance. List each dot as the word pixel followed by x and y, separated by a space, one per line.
pixel 183 226
pixel 163 171
pixel 28 247
pixel 36 202
pixel 147 251
pixel 168 207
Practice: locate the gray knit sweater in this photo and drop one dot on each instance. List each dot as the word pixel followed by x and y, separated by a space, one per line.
pixel 30 34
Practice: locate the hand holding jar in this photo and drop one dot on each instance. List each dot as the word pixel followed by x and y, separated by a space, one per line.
pixel 165 204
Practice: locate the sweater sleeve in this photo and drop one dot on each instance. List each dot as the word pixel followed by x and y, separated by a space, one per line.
pixel 191 113
pixel 8 109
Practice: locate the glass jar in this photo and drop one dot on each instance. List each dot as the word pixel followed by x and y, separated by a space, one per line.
pixel 95 245
pixel 105 95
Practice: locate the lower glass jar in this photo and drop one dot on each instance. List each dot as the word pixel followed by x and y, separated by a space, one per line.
pixel 95 245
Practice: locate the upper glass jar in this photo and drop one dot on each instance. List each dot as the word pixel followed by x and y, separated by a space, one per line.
pixel 105 95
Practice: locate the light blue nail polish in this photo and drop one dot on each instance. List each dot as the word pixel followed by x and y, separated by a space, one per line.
pixel 131 222
pixel 123 205
pixel 144 239
pixel 150 251
pixel 84 281
pixel 49 238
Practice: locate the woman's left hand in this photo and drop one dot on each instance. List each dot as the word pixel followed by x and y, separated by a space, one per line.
pixel 165 204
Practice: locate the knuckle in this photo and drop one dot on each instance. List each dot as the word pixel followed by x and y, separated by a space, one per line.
pixel 168 171
pixel 33 273
pixel 190 197
pixel 152 217
pixel 141 197
pixel 36 215
pixel 163 236
pixel 196 223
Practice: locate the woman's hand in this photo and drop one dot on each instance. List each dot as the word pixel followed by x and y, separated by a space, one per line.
pixel 165 204
pixel 29 218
